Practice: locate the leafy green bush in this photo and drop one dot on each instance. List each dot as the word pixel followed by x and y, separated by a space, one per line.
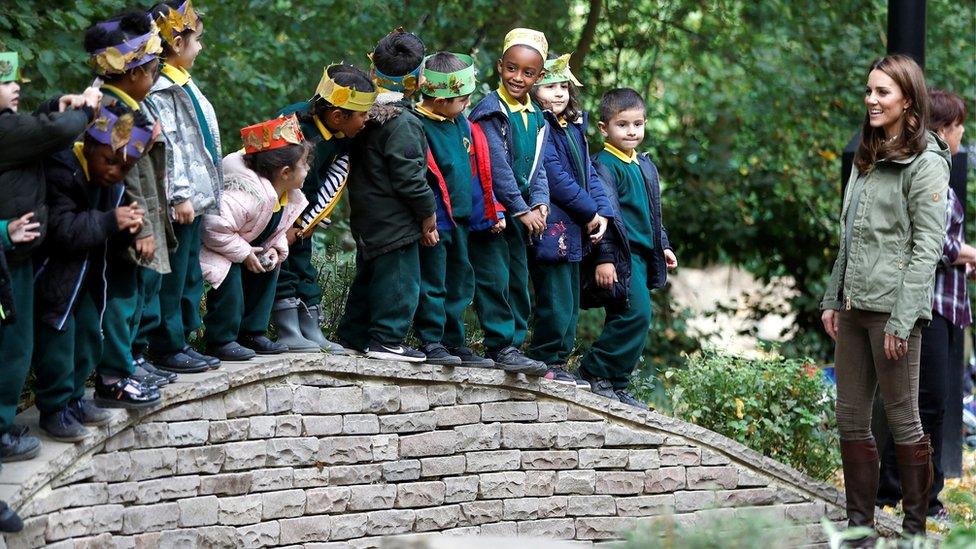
pixel 715 533
pixel 779 407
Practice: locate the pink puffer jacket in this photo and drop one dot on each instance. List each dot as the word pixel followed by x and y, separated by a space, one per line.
pixel 246 208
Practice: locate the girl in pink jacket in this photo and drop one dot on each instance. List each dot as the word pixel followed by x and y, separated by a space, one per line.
pixel 245 244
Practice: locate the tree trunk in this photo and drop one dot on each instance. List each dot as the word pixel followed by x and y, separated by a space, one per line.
pixel 586 38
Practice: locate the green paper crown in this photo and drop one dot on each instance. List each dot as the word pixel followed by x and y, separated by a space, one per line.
pixel 557 70
pixel 450 84
pixel 9 66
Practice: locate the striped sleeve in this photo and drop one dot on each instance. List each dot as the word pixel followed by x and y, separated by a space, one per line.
pixel 329 193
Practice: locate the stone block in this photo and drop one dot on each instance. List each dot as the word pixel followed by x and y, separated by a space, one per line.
pixel 474 513
pixel 603 459
pixel 492 460
pixel 540 483
pixel 272 480
pixel 751 479
pixel 442 395
pixel 457 489
pixel 288 426
pixel 397 471
pixel 642 460
pixel 385 523
pixel 279 398
pixel 535 508
pixel 201 511
pixel 506 529
pixel 580 434
pixel 679 455
pixel 229 431
pixel 311 477
pixel 330 499
pixel 318 426
pixel 509 411
pixel 745 498
pixel 622 435
pixel 150 518
pixel 341 475
pixel 711 478
pixel 548 529
pixel 806 513
pixel 383 399
pixel 245 455
pixel 206 408
pixel 348 526
pixel 119 492
pixel 113 467
pixel 529 435
pixel 619 482
pixel 121 441
pixel 385 447
pixel 419 494
pixel 437 518
pixel 408 423
pixel 71 523
pixel 475 394
pixel 665 479
pixel 154 463
pixel 360 424
pixel 344 450
pixel 478 437
pixel 711 457
pixel 550 411
pixel 240 510
pixel 151 435
pixel 442 466
pixel 106 518
pixel 451 416
pixel 292 451
pixel 228 484
pixel 685 502
pixel 202 459
pixel 598 528
pixel 579 413
pixel 304 529
pixel 413 398
pixel 376 496
pixel 645 506
pixel 547 459
pixel 152 491
pixel 575 482
pixel 77 495
pixel 584 506
pixel 263 534
pixel 289 503
pixel 262 427
pixel 501 485
pixel 249 400
pixel 189 433
pixel 327 400
pixel 436 443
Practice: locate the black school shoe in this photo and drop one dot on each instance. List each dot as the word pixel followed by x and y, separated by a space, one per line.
pixel 231 352
pixel 180 363
pixel 439 355
pixel 125 393
pixel 87 413
pixel 211 361
pixel 17 445
pixel 142 364
pixel 9 521
pixel 627 398
pixel 382 351
pixel 559 374
pixel 512 360
pixel 262 345
pixel 470 358
pixel 63 426
pixel 602 387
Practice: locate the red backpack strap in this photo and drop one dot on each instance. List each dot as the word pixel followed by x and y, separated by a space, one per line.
pixel 481 165
pixel 441 183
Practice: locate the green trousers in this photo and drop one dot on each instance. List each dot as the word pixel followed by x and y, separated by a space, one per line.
pixel 240 306
pixel 64 359
pixel 517 238
pixel 489 253
pixel 120 321
pixel 180 292
pixel 382 298
pixel 16 342
pixel 150 283
pixel 446 289
pixel 557 304
pixel 617 351
pixel 298 276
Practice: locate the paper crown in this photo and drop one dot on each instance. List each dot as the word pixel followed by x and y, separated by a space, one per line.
pixel 10 67
pixel 450 84
pixel 177 20
pixel 130 54
pixel 120 132
pixel 343 97
pixel 557 70
pixel 406 83
pixel 527 37
pixel 272 134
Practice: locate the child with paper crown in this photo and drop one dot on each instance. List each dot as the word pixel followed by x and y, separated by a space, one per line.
pixel 193 184
pixel 123 53
pixel 26 139
pixel 517 134
pixel 459 174
pixel 245 243
pixel 578 219
pixel 634 258
pixel 392 208
pixel 92 224
pixel 330 119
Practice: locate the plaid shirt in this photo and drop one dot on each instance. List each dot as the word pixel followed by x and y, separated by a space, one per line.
pixel 951 298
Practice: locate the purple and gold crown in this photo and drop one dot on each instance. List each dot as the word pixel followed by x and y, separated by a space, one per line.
pixel 130 54
pixel 120 132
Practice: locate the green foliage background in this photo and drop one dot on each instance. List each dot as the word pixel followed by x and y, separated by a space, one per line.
pixel 750 103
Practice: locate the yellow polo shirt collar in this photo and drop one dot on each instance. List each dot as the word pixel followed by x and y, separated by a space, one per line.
pixel 620 154
pixel 282 202
pixel 430 114
pixel 326 134
pixel 178 75
pixel 514 105
pixel 126 98
pixel 80 155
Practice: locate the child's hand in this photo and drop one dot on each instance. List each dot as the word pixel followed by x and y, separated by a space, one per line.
pixel 183 213
pixel 430 239
pixel 533 222
pixel 498 227
pixel 270 259
pixel 428 231
pixel 670 260
pixel 92 96
pixel 596 228
pixel 291 235
pixel 146 247
pixel 22 229
pixel 129 218
pixel 252 262
pixel 543 211
pixel 606 275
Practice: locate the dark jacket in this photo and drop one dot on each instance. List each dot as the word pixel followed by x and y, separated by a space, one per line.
pixel 614 248
pixel 492 116
pixel 25 140
pixel 7 312
pixel 572 203
pixel 82 238
pixel 388 191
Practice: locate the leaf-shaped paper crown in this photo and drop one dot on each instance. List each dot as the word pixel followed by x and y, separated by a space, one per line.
pixel 343 97
pixel 557 70
pixel 272 134
pixel 120 131
pixel 178 20
pixel 450 84
pixel 9 66
pixel 406 84
pixel 130 54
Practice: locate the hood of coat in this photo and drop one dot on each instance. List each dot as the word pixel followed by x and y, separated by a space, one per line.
pixel 933 144
pixel 388 106
pixel 238 177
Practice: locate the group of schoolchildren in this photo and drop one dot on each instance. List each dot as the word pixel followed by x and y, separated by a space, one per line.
pixel 118 204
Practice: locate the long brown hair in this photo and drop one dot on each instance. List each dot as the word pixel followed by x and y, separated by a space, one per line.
pixel 912 140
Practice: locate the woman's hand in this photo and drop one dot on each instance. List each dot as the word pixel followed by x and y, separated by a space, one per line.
pixel 606 275
pixel 895 347
pixel 252 262
pixel 183 213
pixel 670 260
pixel 23 229
pixel 829 320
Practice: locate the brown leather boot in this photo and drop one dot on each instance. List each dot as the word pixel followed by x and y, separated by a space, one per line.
pixel 915 472
pixel 860 459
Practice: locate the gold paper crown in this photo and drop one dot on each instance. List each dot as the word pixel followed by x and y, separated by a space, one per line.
pixel 343 97
pixel 177 20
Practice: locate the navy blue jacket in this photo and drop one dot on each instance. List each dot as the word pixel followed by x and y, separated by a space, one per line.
pixel 493 119
pixel 572 203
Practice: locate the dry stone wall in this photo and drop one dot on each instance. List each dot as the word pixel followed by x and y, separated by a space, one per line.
pixel 340 452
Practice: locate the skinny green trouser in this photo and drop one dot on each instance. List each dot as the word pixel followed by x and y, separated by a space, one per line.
pixel 240 306
pixel 446 289
pixel 16 342
pixel 557 303
pixel 63 359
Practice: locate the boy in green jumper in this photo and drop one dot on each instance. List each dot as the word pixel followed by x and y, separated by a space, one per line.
pixel 642 245
pixel 392 208
pixel 446 275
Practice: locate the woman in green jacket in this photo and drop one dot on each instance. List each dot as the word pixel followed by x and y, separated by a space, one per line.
pixel 880 289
